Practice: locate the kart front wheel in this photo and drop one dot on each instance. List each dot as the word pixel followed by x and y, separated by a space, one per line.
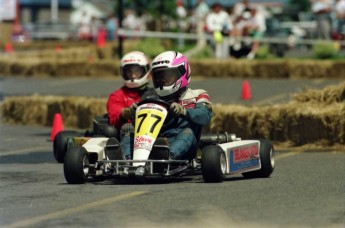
pixel 213 164
pixel 76 165
pixel 60 144
pixel 267 161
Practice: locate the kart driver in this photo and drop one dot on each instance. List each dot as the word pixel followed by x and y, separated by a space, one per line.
pixel 135 70
pixel 171 75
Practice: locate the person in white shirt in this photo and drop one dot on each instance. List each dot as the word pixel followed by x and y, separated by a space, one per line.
pixel 218 21
pixel 322 11
pixel 339 9
pixel 251 23
pixel 201 9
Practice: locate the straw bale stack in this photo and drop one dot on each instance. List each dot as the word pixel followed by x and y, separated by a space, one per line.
pixel 313 116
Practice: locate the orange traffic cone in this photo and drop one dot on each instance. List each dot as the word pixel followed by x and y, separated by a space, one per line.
pixel 8 47
pixel 57 126
pixel 246 94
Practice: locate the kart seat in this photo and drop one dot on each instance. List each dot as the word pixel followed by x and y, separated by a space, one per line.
pixel 101 127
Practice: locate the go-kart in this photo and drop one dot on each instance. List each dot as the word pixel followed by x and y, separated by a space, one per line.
pixel 219 154
pixel 68 138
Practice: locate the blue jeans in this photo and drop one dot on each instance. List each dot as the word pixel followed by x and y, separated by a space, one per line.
pixel 183 145
pixel 127 140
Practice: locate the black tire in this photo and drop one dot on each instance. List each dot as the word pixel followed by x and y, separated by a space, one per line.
pixel 60 144
pixel 267 161
pixel 213 164
pixel 76 165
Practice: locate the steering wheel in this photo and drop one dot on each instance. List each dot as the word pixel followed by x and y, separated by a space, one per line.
pixel 170 119
pixel 154 100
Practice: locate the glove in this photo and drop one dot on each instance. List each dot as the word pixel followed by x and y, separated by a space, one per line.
pixel 125 114
pixel 177 110
pixel 132 109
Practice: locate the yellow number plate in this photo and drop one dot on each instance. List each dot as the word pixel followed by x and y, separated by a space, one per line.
pixel 149 120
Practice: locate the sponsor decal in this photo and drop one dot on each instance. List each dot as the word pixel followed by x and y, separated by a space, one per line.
pixel 142 139
pixel 154 107
pixel 245 153
pixel 151 106
pixel 160 62
pixel 142 142
pixel 130 60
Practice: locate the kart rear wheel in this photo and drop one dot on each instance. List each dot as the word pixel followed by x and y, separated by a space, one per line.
pixel 60 144
pixel 76 165
pixel 213 164
pixel 267 161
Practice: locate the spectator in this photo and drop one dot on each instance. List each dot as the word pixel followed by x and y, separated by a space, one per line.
pixel 240 7
pixel 130 21
pixel 250 22
pixel 181 20
pixel 322 11
pixel 218 21
pixel 201 10
pixel 84 30
pixel 111 26
pixel 340 16
pixel 95 26
pixel 256 29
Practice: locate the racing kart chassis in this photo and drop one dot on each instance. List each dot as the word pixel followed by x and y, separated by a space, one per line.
pixel 218 155
pixel 251 158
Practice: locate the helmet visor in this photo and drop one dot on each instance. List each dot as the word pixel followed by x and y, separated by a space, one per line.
pixel 131 72
pixel 165 76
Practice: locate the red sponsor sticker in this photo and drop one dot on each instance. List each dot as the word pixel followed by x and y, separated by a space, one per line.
pixel 246 153
pixel 141 140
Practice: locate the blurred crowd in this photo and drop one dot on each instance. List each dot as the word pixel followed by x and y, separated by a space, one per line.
pixel 236 30
pixel 330 18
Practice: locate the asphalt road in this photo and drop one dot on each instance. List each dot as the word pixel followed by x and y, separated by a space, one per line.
pixel 307 188
pixel 263 91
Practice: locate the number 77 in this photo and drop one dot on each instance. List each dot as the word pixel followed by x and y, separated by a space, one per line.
pixel 143 117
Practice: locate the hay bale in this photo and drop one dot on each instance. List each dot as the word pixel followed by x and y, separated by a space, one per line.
pixel 310 69
pixel 5 66
pixel 328 95
pixel 270 69
pixel 77 112
pixel 104 68
pixel 246 122
pixel 43 68
pixel 67 68
pixel 305 124
pixel 294 122
pixel 221 68
pixel 24 110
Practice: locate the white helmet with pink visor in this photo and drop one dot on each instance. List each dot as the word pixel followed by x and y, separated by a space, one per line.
pixel 170 73
pixel 135 69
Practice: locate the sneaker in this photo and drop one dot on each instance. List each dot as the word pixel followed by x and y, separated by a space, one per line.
pixel 113 150
pixel 251 55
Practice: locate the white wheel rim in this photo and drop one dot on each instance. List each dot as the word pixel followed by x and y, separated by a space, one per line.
pixel 86 165
pixel 223 163
pixel 272 158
